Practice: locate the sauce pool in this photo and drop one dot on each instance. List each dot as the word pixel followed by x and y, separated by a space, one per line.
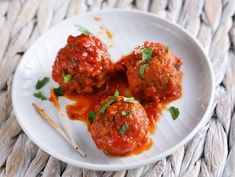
pixel 84 104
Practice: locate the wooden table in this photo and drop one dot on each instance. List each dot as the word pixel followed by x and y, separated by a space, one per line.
pixel 210 153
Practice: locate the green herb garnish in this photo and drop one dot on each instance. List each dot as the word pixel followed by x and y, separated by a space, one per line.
pixel 123 128
pixel 109 102
pixel 130 100
pixel 167 48
pixel 147 54
pixel 127 112
pixel 91 117
pixel 69 45
pixel 59 91
pixel 142 69
pixel 40 96
pixel 83 30
pixel 74 61
pixel 41 83
pixel 116 94
pixel 174 112
pixel 67 77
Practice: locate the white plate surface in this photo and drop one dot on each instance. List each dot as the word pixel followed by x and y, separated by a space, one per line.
pixel 130 28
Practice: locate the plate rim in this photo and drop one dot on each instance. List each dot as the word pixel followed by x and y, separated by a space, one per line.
pixel 135 164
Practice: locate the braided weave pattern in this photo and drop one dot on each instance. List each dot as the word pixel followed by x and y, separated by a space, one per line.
pixel 211 153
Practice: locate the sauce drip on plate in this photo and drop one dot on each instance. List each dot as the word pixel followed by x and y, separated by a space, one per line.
pixel 84 104
pixel 120 125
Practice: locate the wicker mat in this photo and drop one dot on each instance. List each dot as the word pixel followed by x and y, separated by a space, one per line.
pixel 211 153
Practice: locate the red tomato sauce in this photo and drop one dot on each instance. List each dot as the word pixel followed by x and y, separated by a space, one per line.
pixel 84 104
pixel 116 80
pixel 83 55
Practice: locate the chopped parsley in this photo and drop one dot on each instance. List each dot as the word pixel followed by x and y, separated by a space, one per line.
pixel 40 96
pixel 42 83
pixel 69 45
pixel 109 102
pixel 59 91
pixel 127 112
pixel 91 117
pixel 142 69
pixel 147 53
pixel 123 129
pixel 167 48
pixel 74 61
pixel 130 100
pixel 174 112
pixel 82 29
pixel 67 77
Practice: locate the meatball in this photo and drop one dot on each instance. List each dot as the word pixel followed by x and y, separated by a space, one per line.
pixel 157 76
pixel 82 65
pixel 122 128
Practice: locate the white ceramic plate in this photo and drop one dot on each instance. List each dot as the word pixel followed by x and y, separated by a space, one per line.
pixel 130 28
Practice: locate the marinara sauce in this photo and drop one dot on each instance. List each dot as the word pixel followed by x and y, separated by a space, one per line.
pixel 94 80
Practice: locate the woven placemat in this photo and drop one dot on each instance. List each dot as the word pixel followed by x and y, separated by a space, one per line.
pixel 211 153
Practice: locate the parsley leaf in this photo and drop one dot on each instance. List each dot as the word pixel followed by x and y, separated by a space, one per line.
pixel 59 91
pixel 147 54
pixel 130 100
pixel 82 29
pixel 42 83
pixel 116 94
pixel 69 45
pixel 142 69
pixel 167 48
pixel 174 112
pixel 127 112
pixel 123 128
pixel 74 61
pixel 109 102
pixel 40 96
pixel 67 77
pixel 91 117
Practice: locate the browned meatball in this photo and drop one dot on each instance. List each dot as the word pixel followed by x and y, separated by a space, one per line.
pixel 121 128
pixel 158 77
pixel 82 65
